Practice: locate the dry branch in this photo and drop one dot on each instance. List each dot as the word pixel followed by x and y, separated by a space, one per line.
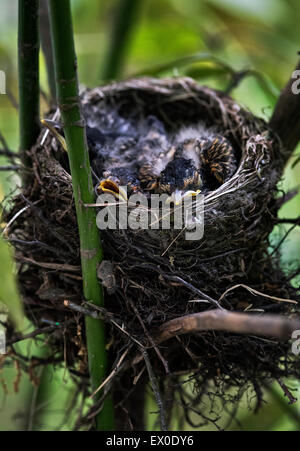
pixel 241 323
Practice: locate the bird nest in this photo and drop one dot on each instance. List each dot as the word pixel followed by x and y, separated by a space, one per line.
pixel 183 309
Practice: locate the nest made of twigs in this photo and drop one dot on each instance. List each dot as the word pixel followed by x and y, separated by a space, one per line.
pixel 156 276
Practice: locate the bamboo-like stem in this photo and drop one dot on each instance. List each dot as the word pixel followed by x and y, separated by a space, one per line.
pixel 46 45
pixel 28 66
pixel 65 64
pixel 126 15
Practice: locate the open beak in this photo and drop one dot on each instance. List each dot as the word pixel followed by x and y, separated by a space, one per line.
pixel 177 196
pixel 109 186
pixel 53 127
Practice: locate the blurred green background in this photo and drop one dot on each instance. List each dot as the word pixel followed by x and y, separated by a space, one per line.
pixel 244 34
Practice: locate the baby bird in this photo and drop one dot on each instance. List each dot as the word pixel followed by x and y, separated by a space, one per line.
pixel 193 160
pixel 203 160
pixel 199 159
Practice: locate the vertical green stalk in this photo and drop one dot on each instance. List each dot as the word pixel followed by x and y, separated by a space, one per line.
pixel 65 64
pixel 46 45
pixel 28 64
pixel 126 17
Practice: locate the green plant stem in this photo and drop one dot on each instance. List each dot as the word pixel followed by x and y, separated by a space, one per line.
pixel 46 45
pixel 126 17
pixel 91 253
pixel 28 65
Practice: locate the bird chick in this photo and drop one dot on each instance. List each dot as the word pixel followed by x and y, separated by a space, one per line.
pixel 99 144
pixel 203 160
pixel 196 158
pixel 180 179
pixel 210 152
pixel 115 178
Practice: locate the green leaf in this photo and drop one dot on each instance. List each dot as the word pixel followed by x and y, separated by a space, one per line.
pixel 183 61
pixel 9 294
pixel 207 71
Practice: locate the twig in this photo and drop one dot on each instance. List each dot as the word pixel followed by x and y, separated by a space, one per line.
pixel 35 333
pixel 82 310
pixel 15 167
pixel 165 363
pixel 107 316
pixel 183 282
pixel 155 389
pixel 99 313
pixel 116 369
pixel 286 197
pixel 193 289
pixel 266 325
pixel 283 238
pixel 288 221
pixel 261 78
pixel 38 212
pixel 4 142
pixel 290 410
pixel 12 99
pixel 8 153
pixel 287 392
pixel 14 218
pixel 54 266
pixel 255 292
